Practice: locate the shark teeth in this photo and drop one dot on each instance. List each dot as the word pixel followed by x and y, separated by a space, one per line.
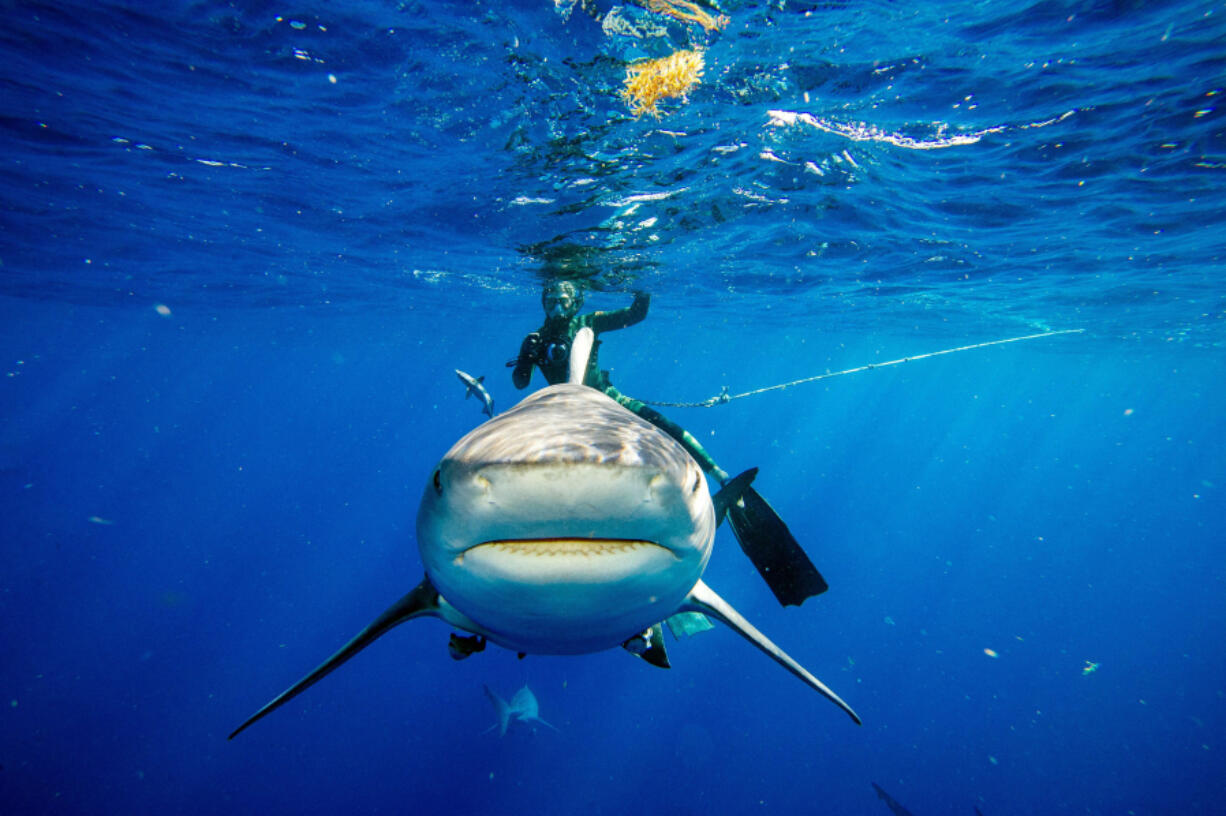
pixel 587 547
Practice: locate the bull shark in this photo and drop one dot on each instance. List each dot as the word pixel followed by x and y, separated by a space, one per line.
pixel 523 707
pixel 566 525
pixel 473 385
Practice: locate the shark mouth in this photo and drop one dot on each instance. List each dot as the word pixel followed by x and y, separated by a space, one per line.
pixel 566 561
pixel 585 547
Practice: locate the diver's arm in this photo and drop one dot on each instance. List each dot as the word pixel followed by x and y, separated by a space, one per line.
pixel 529 351
pixel 621 318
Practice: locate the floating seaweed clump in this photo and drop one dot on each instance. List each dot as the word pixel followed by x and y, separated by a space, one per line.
pixel 650 81
pixel 686 10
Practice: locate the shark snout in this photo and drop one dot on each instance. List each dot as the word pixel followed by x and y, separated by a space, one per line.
pixel 568 502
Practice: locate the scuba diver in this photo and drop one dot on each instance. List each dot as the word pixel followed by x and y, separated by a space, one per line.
pixel 548 348
pixel 762 535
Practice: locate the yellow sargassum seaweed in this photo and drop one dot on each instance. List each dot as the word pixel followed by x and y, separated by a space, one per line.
pixel 691 12
pixel 650 81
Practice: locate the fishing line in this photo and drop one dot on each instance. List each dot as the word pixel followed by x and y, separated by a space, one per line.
pixel 725 397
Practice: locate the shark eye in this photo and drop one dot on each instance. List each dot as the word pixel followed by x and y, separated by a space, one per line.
pixel 438 481
pixel 697 482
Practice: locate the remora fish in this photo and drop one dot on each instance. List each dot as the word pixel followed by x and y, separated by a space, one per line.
pixel 565 525
pixel 474 386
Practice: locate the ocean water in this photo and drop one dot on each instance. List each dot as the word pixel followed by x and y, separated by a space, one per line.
pixel 244 245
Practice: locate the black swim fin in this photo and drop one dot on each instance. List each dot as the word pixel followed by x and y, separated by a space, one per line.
pixel 770 545
pixel 731 493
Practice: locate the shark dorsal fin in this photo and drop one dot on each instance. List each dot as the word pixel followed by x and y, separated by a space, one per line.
pixel 580 351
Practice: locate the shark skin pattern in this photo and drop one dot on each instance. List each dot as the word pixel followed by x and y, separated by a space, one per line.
pixel 566 525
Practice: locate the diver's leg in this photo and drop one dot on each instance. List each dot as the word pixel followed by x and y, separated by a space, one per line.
pixel 687 440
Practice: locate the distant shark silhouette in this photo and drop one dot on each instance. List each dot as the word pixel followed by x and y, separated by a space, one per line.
pixel 896 807
pixel 523 707
pixel 565 525
pixel 473 385
pixel 893 804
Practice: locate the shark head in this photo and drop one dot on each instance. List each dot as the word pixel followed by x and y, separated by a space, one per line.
pixel 565 524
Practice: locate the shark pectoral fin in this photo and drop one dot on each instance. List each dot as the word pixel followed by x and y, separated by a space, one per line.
pixel 730 493
pixel 423 600
pixel 703 599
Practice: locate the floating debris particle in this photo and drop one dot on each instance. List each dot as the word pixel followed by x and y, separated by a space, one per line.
pixel 1089 668
pixel 991 653
pixel 649 81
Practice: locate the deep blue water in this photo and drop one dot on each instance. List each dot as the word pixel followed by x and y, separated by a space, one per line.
pixel 245 245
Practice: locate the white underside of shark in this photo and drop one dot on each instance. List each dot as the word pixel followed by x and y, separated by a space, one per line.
pixel 566 525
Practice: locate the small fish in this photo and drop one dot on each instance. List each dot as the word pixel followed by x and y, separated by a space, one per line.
pixel 474 386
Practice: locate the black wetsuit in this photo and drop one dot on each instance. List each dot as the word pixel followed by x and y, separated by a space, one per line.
pixel 548 348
